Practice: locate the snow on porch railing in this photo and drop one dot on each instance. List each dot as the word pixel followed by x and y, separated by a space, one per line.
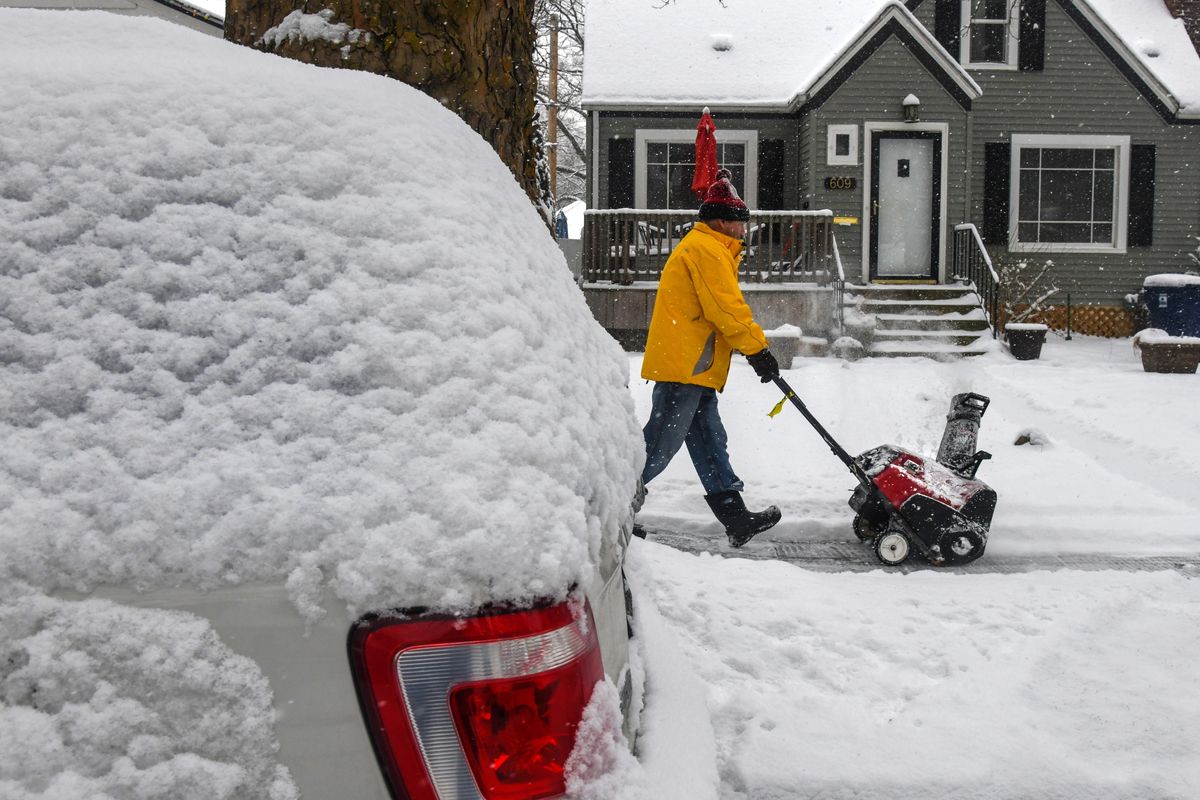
pixel 627 245
pixel 972 263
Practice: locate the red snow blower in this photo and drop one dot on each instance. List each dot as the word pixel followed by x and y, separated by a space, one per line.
pixel 904 502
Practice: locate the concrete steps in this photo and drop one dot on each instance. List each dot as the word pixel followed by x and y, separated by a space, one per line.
pixel 942 321
pixel 938 350
pixel 974 320
pixel 932 291
pixel 954 337
pixel 962 303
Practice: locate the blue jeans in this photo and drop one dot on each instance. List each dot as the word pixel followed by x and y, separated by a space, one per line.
pixel 683 412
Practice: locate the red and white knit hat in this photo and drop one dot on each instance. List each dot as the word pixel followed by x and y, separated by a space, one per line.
pixel 721 201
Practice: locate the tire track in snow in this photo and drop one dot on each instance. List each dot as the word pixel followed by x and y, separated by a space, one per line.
pixel 1156 470
pixel 849 556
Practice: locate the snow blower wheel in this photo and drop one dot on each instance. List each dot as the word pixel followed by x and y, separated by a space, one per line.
pixel 864 530
pixel 892 547
pixel 965 546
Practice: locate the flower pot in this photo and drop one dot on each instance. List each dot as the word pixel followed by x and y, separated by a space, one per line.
pixel 1025 340
pixel 1173 357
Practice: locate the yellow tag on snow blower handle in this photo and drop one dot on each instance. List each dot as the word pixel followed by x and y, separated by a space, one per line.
pixel 779 406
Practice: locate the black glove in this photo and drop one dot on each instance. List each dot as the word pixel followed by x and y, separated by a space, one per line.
pixel 765 365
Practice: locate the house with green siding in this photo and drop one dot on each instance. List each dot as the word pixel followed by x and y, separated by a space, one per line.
pixel 896 147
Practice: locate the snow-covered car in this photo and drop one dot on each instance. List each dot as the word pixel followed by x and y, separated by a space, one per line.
pixel 317 472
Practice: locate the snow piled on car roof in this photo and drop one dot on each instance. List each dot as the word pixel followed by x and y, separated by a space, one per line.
pixel 263 320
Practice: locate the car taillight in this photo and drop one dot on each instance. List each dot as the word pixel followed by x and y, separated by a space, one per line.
pixel 476 708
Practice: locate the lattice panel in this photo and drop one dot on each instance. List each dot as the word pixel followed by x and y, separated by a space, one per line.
pixel 1113 322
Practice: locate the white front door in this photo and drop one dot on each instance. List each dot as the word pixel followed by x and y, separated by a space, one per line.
pixel 905 204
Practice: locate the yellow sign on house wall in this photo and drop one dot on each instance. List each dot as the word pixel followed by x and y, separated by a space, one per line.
pixel 845 220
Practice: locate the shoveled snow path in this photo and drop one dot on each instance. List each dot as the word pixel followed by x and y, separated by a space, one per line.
pixel 853 556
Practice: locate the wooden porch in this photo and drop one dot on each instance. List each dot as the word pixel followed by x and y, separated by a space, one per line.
pixel 631 245
pixel 791 275
pixel 790 271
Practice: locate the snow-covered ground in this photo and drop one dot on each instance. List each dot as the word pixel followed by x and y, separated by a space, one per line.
pixel 1047 684
pixel 1120 472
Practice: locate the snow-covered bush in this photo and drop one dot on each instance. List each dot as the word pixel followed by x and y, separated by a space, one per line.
pixel 1194 257
pixel 1027 286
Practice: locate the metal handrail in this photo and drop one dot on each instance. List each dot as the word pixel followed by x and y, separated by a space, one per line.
pixel 987 259
pixel 972 263
pixel 839 290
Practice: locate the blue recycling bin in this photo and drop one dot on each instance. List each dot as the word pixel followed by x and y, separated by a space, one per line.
pixel 1174 303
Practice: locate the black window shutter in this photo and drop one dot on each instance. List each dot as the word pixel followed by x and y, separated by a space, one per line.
pixel 770 174
pixel 1031 49
pixel 1141 195
pixel 997 158
pixel 947 25
pixel 620 173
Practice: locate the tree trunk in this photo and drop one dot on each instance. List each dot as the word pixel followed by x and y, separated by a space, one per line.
pixel 474 56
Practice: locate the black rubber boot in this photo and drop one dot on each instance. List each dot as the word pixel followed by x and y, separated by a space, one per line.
pixel 740 524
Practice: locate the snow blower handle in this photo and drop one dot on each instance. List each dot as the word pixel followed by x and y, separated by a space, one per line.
pixel 837 449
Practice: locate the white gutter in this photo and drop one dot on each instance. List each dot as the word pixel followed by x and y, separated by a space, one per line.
pixel 595 159
pixel 641 104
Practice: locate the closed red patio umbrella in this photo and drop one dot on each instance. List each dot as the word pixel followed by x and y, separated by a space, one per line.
pixel 706 154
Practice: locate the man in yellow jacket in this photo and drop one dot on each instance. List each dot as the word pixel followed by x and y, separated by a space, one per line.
pixel 700 318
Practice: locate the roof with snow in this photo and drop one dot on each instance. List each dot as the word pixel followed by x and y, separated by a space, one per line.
pixel 762 54
pixel 773 54
pixel 1156 44
pixel 253 326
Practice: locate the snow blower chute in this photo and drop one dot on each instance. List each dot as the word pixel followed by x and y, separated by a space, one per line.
pixel 904 502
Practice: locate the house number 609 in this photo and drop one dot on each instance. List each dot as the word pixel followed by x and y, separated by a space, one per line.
pixel 841 182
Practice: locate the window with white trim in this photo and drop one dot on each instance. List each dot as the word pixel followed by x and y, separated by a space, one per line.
pixel 990 32
pixel 1069 193
pixel 841 145
pixel 665 163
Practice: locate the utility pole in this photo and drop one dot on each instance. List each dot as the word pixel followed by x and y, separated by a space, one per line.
pixel 552 110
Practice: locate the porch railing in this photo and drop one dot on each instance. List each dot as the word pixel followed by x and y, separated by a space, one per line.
pixel 628 245
pixel 972 263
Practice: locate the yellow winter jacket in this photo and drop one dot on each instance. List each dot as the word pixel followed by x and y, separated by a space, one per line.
pixel 700 316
